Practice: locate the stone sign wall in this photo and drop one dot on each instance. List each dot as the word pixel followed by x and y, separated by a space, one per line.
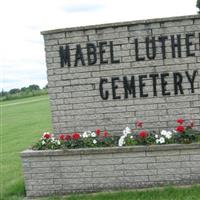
pixel 107 76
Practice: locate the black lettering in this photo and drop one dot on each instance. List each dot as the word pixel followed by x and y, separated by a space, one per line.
pixel 142 85
pixel 64 56
pixel 104 95
pixel 91 54
pixel 114 88
pixel 101 52
pixel 189 44
pixel 174 45
pixel 137 52
pixel 153 47
pixel 191 79
pixel 178 83
pixel 163 39
pixel 129 88
pixel 164 84
pixel 79 55
pixel 154 79
pixel 112 54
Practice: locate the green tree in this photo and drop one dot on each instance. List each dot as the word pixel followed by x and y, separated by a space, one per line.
pixel 33 87
pixel 198 5
pixel 3 93
pixel 23 89
pixel 14 91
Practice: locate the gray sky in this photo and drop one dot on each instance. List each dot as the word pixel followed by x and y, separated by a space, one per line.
pixel 22 56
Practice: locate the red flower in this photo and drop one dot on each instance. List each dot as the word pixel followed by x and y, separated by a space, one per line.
pixel 105 133
pixel 180 121
pixel 143 134
pixel 61 136
pixel 68 137
pixel 76 136
pixel 98 132
pixel 139 124
pixel 180 129
pixel 47 135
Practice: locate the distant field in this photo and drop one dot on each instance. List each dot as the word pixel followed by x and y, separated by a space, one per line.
pixel 22 122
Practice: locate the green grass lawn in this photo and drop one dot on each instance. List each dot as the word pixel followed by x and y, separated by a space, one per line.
pixel 22 122
pixel 21 125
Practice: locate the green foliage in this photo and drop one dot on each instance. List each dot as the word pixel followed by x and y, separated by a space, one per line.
pixel 24 92
pixel 130 141
pixel 188 136
pixel 14 91
pixel 49 144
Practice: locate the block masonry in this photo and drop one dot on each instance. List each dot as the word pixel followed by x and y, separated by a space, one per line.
pixel 56 172
pixel 107 76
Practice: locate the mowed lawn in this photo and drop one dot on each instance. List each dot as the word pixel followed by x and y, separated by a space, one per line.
pixel 22 122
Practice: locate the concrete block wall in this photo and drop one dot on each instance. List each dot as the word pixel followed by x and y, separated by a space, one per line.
pixel 75 91
pixel 56 172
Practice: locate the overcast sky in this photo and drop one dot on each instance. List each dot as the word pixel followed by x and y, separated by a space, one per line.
pixel 22 56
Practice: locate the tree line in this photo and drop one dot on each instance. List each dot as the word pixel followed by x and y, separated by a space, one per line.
pixel 16 93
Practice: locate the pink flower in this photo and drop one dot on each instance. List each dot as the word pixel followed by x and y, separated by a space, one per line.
pixel 62 137
pixel 139 124
pixel 105 133
pixel 143 134
pixel 180 120
pixel 180 129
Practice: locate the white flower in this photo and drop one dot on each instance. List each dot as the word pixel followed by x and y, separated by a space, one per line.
pixel 85 134
pixel 125 133
pixel 127 130
pixel 93 134
pixel 162 140
pixel 53 139
pixel 58 142
pixel 174 131
pixel 157 141
pixel 94 141
pixel 156 136
pixel 168 135
pixel 89 132
pixel 164 132
pixel 131 137
pixel 121 141
pixel 43 142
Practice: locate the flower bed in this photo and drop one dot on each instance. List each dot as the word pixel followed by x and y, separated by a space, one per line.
pixel 96 161
pixel 184 133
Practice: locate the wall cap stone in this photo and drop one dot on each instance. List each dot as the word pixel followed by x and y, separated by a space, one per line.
pixel 107 150
pixel 117 24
